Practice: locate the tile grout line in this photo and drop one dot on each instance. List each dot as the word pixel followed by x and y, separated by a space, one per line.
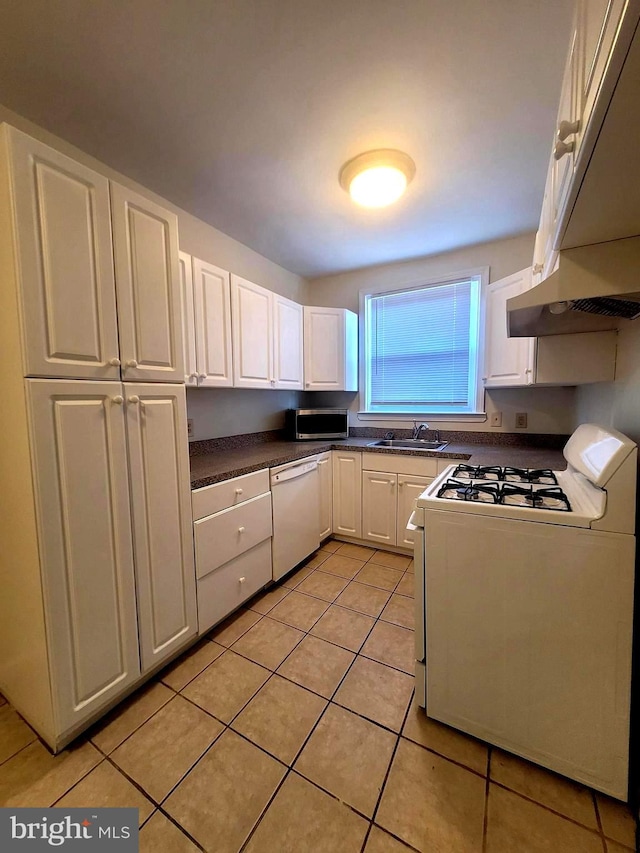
pixel 388 771
pixel 485 817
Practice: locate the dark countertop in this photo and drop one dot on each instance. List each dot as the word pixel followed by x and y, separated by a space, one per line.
pixel 223 464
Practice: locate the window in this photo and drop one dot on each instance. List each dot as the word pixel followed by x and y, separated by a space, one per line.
pixel 421 348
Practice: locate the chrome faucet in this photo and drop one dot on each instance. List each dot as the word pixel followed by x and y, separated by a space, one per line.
pixel 417 429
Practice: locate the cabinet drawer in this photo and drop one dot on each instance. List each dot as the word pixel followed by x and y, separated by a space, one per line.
pixel 230 585
pixel 426 466
pixel 227 534
pixel 228 493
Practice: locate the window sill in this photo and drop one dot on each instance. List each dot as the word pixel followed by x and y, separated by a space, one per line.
pixel 453 417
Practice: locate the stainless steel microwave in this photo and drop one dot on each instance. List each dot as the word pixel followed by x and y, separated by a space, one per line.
pixel 317 423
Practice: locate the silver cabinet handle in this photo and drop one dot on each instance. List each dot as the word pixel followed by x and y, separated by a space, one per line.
pixel 561 148
pixel 131 363
pixel 133 399
pixel 118 399
pixel 568 128
pixel 114 362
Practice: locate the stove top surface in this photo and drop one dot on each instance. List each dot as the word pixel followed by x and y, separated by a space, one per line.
pixel 543 495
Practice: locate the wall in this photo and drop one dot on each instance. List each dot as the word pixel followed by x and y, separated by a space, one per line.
pixel 616 404
pixel 233 411
pixel 549 410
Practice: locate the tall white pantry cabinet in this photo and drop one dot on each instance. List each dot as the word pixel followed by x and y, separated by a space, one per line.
pixel 96 568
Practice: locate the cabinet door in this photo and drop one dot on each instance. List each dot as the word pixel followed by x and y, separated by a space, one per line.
pixel 80 469
pixel 213 325
pixel 148 286
pixel 64 251
pixel 347 493
pixel 324 352
pixel 252 325
pixel 188 320
pixel 287 343
pixel 162 526
pixel 568 111
pixel 326 497
pixel 379 507
pixel 598 24
pixel 509 362
pixel 409 488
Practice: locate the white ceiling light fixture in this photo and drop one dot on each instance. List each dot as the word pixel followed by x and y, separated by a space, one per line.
pixel 377 178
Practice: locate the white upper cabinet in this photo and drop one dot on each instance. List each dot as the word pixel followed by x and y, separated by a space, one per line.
pixel 287 343
pixel 252 323
pixel 330 349
pixel 212 325
pixel 156 417
pixel 188 319
pixel 62 234
pixel 508 361
pixel 586 169
pixel 551 360
pixel 145 239
pixel 564 150
pixel 83 509
pixel 69 272
pixel 267 337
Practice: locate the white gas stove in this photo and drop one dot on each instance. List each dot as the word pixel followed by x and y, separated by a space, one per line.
pixel 524 597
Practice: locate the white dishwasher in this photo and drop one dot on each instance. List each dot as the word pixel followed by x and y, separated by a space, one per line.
pixel 295 495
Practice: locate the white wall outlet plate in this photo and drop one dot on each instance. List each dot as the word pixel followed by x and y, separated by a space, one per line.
pixel 190 427
pixel 521 420
pixel 496 419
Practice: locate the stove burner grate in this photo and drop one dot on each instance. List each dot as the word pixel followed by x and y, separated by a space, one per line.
pixel 461 491
pixel 547 498
pixel 544 476
pixel 478 472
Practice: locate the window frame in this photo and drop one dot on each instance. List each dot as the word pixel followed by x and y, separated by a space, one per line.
pixel 481 274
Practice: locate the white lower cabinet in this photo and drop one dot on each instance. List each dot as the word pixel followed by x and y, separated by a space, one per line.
pixel 389 492
pixel 111 486
pixel 325 479
pixel 232 544
pixel 387 502
pixel 162 533
pixel 374 494
pixel 379 507
pixel 83 511
pixel 347 493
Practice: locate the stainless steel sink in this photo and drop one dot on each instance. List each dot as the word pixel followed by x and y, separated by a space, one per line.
pixel 409 444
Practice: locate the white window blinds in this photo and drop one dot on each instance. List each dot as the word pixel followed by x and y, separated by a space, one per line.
pixel 422 348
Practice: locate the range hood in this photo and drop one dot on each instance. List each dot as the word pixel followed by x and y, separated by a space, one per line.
pixel 593 289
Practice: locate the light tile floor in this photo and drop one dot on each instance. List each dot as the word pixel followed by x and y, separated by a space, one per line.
pixel 291 728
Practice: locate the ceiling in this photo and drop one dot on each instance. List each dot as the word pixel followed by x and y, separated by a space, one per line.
pixel 243 111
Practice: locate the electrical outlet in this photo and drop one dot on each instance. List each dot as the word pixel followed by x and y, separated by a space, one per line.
pixel 496 419
pixel 521 420
pixel 190 427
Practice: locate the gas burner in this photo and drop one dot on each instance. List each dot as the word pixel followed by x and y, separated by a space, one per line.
pixel 461 491
pixel 478 472
pixel 543 476
pixel 549 498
